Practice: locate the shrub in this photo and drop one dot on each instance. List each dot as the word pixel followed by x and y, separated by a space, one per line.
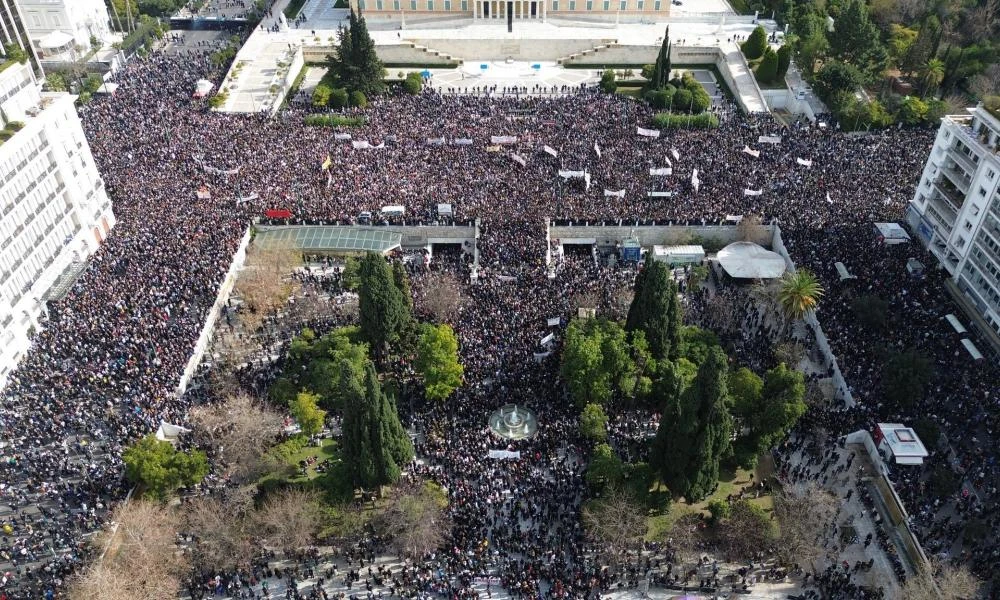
pixel 683 99
pixel 719 509
pixel 321 96
pixel 413 84
pixel 767 70
pixel 705 120
pixel 15 53
pixel 218 100
pixel 913 111
pixel 338 98
pixel 755 45
pixel 647 71
pixel 15 125
pixel 358 99
pixel 784 59
pixel 608 82
pixel 837 77
pixel 333 121
pixel 662 98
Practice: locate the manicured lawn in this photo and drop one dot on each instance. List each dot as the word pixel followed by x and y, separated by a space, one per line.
pixel 292 10
pixel 632 92
pixel 328 450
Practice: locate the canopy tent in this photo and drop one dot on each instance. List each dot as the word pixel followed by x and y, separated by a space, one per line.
pixel 955 323
pixel 57 41
pixel 891 233
pixel 679 254
pixel 445 210
pixel 168 432
pixel 747 260
pixel 843 272
pixel 972 350
pixel 202 88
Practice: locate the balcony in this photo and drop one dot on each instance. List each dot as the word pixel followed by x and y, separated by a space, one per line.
pixel 962 158
pixel 951 193
pixel 959 178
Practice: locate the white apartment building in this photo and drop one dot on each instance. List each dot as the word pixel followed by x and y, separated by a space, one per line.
pixel 956 210
pixel 58 27
pixel 54 210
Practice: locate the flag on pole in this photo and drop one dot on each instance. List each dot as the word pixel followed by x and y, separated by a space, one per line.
pixel 695 182
pixel 327 163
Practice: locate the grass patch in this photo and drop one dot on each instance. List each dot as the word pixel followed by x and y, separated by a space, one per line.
pixel 741 7
pixel 631 92
pixel 292 10
pixel 326 450
pixel 333 121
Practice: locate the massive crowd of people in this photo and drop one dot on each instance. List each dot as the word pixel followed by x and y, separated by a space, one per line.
pixel 103 371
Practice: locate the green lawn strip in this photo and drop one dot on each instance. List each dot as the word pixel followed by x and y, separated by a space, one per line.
pixel 328 450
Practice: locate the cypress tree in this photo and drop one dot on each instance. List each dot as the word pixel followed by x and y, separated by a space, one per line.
pixel 382 308
pixel 654 309
pixel 358 454
pixel 402 281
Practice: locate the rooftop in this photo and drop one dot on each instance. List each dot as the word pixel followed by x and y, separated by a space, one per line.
pixel 330 238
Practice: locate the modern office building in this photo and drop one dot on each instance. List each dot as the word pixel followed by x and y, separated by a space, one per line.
pixel 956 210
pixel 58 28
pixel 54 210
pixel 13 32
pixel 516 9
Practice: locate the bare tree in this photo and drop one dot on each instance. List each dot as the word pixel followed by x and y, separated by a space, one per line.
pixel 804 515
pixel 141 558
pixel 621 300
pixel 747 531
pixel 442 297
pixel 222 530
pixel 416 519
pixel 790 353
pixel 685 533
pixel 265 283
pixel 230 350
pixel 586 299
pixel 751 229
pixel 942 581
pixel 616 522
pixel 289 519
pixel 986 83
pixel 240 430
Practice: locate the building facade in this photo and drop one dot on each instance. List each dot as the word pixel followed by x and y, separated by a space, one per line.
pixel 516 9
pixel 956 209
pixel 80 19
pixel 54 210
pixel 13 32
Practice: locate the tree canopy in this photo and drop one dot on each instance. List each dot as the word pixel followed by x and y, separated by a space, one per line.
pixel 437 361
pixel 601 360
pixel 764 410
pixel 159 468
pixel 355 63
pixel 384 310
pixel 594 422
pixel 306 413
pixel 655 309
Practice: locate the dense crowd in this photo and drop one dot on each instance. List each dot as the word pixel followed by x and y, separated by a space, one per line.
pixel 104 369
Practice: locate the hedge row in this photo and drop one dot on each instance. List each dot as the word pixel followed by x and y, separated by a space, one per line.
pixel 334 121
pixel 666 120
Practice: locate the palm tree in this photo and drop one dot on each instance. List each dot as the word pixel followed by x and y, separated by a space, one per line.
pixel 932 76
pixel 799 294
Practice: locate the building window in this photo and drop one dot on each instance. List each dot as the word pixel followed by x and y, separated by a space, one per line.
pixel 640 4
pixel 465 5
pixel 590 4
pixel 656 5
pixel 413 4
pixel 378 4
pixel 572 4
pixel 607 5
pixel 430 4
pixel 622 5
pixel 990 174
pixel 395 5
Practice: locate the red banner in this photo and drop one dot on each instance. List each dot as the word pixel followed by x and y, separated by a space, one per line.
pixel 278 213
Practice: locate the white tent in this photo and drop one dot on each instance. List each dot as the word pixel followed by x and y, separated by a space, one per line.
pixel 57 41
pixel 168 432
pixel 955 323
pixel 445 210
pixel 747 260
pixel 202 88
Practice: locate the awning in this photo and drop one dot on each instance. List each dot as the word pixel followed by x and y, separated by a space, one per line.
pixel 746 260
pixel 971 348
pixel 953 320
pixel 55 41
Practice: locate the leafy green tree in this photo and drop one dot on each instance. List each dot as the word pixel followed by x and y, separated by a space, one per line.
pixel 719 509
pixel 700 100
pixel 871 311
pixel 376 446
pixel 605 469
pixel 659 74
pixel 601 360
pixel 683 100
pixel 594 422
pixel 799 294
pixel 383 309
pixel 158 468
pixel 338 99
pixel 608 82
pixel 784 60
pixel 56 82
pixel 810 50
pixel 314 364
pixel 402 280
pixel 321 96
pixel 764 410
pixel 648 72
pixel 304 408
pixel 93 82
pixel 355 63
pixel 857 39
pixel 901 39
pixel 14 52
pixel 655 309
pixel 358 99
pixel 913 110
pixel 931 76
pixel 694 433
pixel 413 83
pixel 767 70
pixel 437 361
pixel 904 378
pixel 755 44
pixel 837 77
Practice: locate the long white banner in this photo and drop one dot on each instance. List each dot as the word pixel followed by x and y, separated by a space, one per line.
pixel 570 174
pixel 342 137
pixel 749 192
pixel 462 141
pixel 551 151
pixel 619 193
pixel 518 159
pixel 435 141
pixel 659 194
pixel 503 139
pixel 653 133
pixel 753 153
pixel 769 139
pixel 505 454
pixel 360 145
pixel 805 162
pixel 661 171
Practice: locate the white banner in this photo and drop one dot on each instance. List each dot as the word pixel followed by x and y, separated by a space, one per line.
pixel 660 172
pixel 342 137
pixel 551 151
pixel 505 454
pixel 553 321
pixel 540 356
pixel 618 194
pixel 805 162
pixel 547 339
pixel 463 141
pixel 245 199
pixel 749 192
pixel 828 198
pixel 769 139
pixel 503 139
pixel 653 133
pixel 570 174
pixel 734 218
pixel 675 153
pixel 753 153
pixel 597 149
pixel 586 179
pixel 438 141
pixel 695 181
pixel 518 159
pixel 659 194
pixel 363 144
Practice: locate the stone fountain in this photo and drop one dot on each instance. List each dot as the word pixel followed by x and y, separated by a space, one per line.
pixel 513 422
